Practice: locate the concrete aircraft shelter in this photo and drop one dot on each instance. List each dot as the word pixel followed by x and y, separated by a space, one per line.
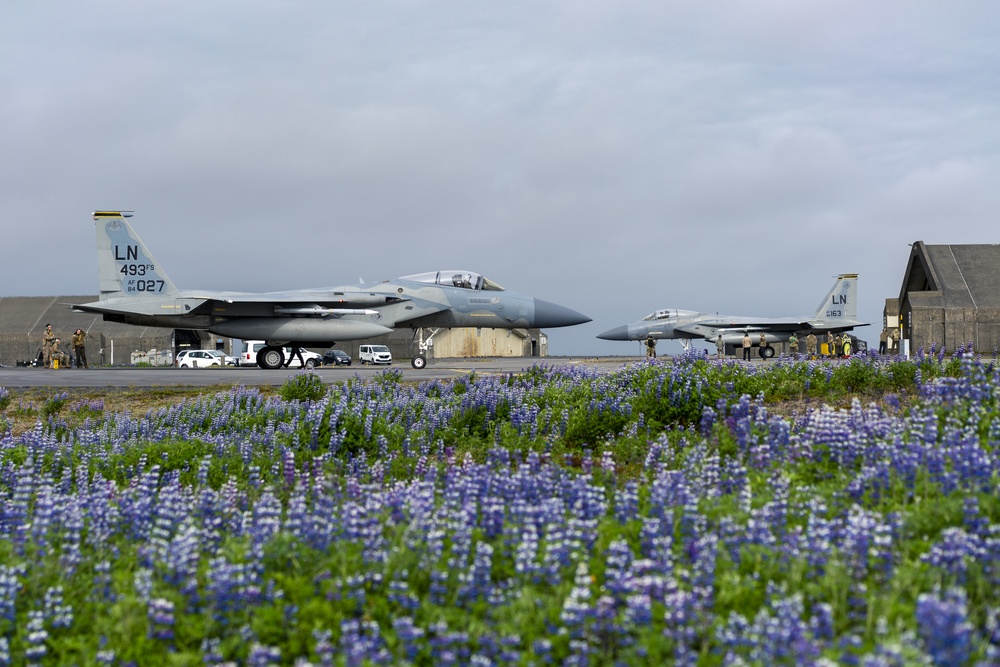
pixel 950 297
pixel 23 319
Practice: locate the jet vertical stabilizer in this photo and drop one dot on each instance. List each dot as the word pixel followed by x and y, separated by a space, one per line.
pixel 125 267
pixel 841 303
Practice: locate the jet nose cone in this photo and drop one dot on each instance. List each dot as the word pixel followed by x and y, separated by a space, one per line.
pixel 549 315
pixel 618 333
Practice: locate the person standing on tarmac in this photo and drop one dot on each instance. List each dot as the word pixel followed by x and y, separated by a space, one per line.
pixel 793 344
pixel 882 339
pixel 830 347
pixel 720 347
pixel 811 345
pixel 79 348
pixel 48 338
pixel 846 346
pixel 747 344
pixel 651 347
pixel 763 347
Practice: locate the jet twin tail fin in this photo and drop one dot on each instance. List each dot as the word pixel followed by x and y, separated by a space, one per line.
pixel 125 266
pixel 841 303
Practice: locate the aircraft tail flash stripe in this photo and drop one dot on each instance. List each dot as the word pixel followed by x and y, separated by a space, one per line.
pixel 125 267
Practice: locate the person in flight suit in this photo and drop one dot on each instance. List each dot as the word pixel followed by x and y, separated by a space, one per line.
pixel 650 346
pixel 58 355
pixel 78 342
pixel 763 346
pixel 811 345
pixel 47 339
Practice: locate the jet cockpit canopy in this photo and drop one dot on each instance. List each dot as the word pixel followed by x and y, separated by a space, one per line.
pixel 667 314
pixel 456 278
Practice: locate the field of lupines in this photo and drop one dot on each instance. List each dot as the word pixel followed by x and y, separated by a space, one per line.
pixel 694 512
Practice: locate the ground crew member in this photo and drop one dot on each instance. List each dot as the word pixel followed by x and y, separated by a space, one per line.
pixel 58 355
pixel 829 343
pixel 720 347
pixel 793 344
pixel 650 346
pixel 811 345
pixel 79 349
pixel 882 340
pixel 763 346
pixel 838 346
pixel 47 338
pixel 895 341
pixel 746 346
pixel 847 346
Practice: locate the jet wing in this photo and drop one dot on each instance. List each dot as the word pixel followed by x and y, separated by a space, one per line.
pixel 776 324
pixel 335 298
pixel 755 324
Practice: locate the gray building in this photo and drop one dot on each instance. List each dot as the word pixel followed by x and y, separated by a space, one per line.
pixel 950 297
pixel 23 319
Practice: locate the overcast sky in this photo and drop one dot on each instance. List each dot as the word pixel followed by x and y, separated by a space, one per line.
pixel 616 158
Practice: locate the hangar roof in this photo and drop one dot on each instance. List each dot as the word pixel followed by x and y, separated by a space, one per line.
pixel 952 276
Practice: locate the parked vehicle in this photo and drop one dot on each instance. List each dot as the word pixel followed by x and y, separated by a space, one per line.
pixel 248 357
pixel 197 359
pixel 336 358
pixel 225 358
pixel 374 354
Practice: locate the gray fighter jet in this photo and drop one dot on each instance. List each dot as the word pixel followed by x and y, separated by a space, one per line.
pixel 837 312
pixel 136 290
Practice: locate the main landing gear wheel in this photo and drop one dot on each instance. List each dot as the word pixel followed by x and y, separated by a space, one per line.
pixel 419 361
pixel 270 358
pixel 768 352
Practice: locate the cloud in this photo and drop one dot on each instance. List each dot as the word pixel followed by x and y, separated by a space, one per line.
pixel 616 158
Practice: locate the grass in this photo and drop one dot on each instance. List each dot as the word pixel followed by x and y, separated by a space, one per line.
pixel 26 406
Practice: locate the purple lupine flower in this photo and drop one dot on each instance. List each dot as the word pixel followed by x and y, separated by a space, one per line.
pixel 263 656
pixel 160 612
pixel 944 627
pixel 576 610
pixel 362 644
pixel 56 612
pixel 36 647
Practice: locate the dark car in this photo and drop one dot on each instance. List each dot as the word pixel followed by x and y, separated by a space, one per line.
pixel 336 358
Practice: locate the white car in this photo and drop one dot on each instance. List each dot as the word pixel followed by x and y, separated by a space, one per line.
pixel 198 359
pixel 226 359
pixel 248 357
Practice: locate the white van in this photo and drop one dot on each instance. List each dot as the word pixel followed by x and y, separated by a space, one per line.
pixel 374 354
pixel 248 357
